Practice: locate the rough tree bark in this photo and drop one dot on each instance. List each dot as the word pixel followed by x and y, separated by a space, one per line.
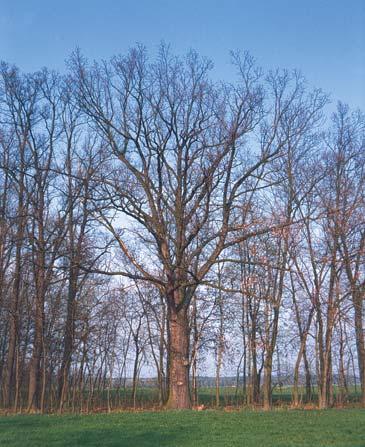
pixel 178 340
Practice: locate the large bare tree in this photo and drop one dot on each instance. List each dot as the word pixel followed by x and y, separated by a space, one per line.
pixel 183 153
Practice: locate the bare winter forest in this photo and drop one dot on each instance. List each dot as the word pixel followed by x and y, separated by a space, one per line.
pixel 156 222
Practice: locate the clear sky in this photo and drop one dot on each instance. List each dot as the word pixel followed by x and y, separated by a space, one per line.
pixel 323 38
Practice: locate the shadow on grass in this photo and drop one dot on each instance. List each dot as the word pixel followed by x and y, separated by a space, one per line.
pixel 35 431
pixel 97 438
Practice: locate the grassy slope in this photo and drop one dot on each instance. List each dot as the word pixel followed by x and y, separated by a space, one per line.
pixel 183 429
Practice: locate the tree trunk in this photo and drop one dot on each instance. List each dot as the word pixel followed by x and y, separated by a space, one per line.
pixel 302 355
pixel 135 375
pixel 360 345
pixel 308 379
pixel 296 376
pixel 13 342
pixel 254 383
pixel 178 327
pixel 14 313
pixel 271 344
pixel 38 354
pixel 34 373
pixel 220 349
pixel 35 364
pixel 68 337
pixel 267 382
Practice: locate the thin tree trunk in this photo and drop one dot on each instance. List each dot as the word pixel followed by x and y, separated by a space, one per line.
pixel 360 344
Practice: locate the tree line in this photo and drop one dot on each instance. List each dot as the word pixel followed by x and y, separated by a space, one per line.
pixel 151 215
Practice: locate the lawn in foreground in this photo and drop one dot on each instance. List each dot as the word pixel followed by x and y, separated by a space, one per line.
pixel 188 429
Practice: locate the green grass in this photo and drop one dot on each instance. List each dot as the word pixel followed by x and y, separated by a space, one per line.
pixel 187 429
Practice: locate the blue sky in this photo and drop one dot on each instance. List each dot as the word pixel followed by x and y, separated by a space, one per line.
pixel 325 39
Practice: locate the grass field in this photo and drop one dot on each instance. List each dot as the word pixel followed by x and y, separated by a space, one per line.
pixel 340 428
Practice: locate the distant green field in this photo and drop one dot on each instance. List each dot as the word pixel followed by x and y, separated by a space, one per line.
pixel 281 396
pixel 147 397
pixel 282 428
